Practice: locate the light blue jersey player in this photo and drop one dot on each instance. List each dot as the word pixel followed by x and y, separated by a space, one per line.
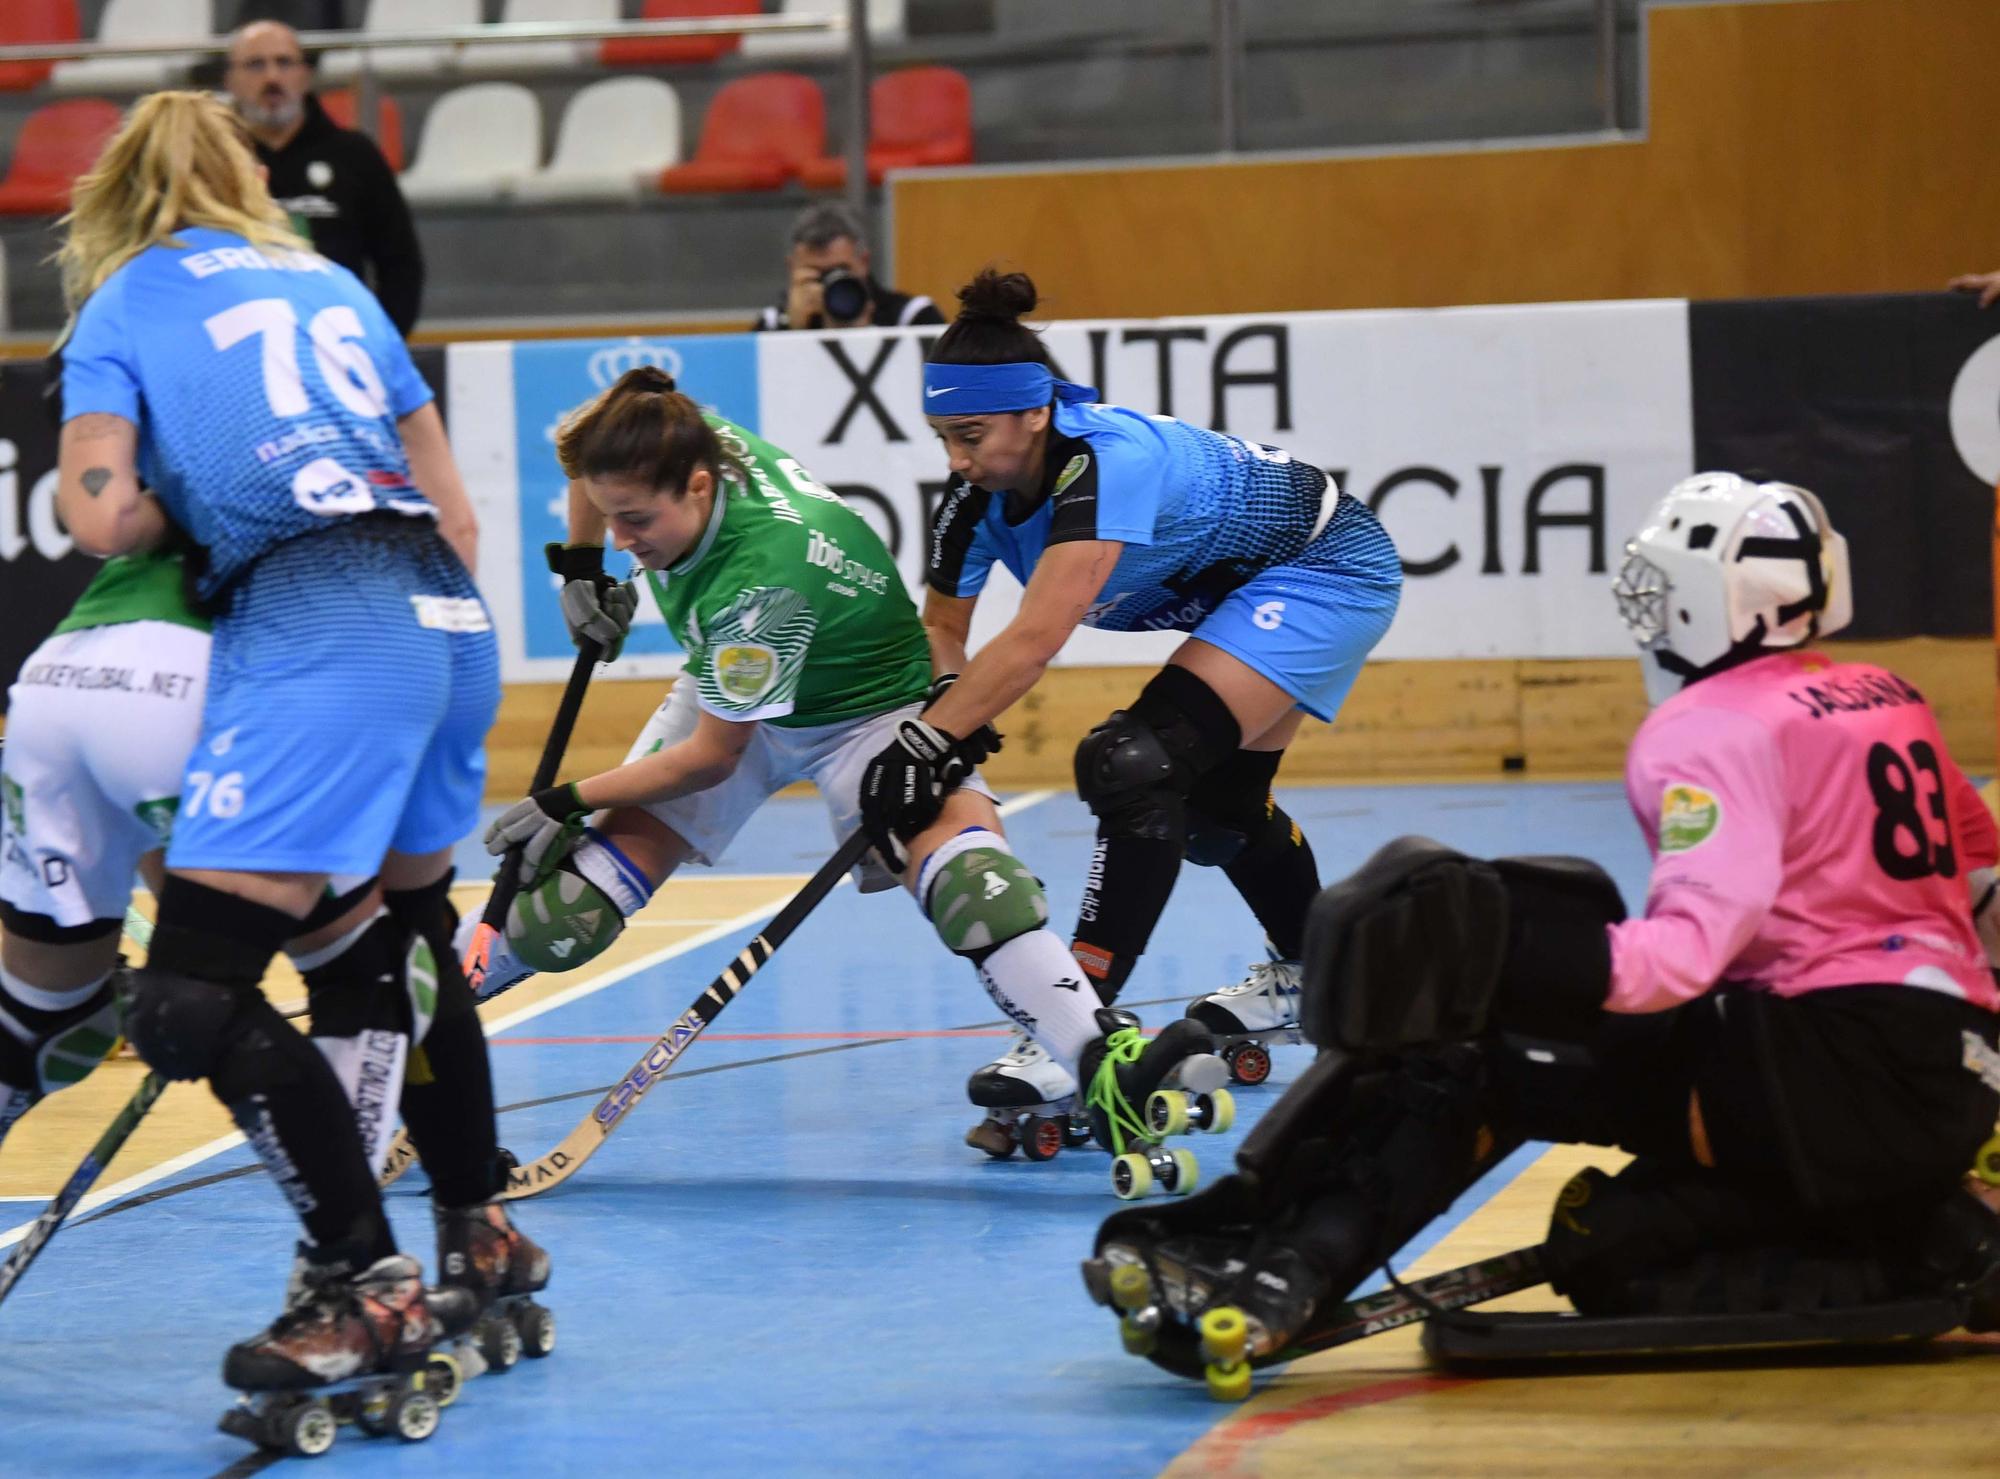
pixel 1127 522
pixel 223 381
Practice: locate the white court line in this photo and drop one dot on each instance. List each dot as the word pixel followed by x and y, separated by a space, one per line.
pixel 498 1025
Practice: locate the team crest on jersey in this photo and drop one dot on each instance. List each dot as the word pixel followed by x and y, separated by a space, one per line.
pixel 746 670
pixel 1689 816
pixel 16 803
pixel 158 816
pixel 1072 470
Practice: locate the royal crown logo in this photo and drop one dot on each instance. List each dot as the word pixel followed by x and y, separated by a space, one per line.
pixel 608 363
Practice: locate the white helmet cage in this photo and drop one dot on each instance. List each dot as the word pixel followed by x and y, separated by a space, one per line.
pixel 1724 568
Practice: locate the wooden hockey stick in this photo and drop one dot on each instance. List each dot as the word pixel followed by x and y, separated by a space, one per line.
pixel 402 1154
pixel 583 1142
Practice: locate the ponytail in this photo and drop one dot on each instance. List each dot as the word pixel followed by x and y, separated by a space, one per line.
pixel 643 430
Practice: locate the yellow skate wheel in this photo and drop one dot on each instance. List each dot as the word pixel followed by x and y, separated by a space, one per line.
pixel 1221 1112
pixel 1986 1165
pixel 1131 1177
pixel 1131 1287
pixel 1224 1334
pixel 1139 1339
pixel 444 1377
pixel 1187 1172
pixel 1167 1112
pixel 1229 1383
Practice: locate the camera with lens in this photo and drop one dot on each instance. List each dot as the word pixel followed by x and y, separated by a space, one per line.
pixel 843 294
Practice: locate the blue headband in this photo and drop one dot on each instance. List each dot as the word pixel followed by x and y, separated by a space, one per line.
pixel 976 390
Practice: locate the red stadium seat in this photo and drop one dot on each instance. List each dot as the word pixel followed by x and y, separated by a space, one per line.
pixel 760 131
pixel 666 50
pixel 922 115
pixel 342 105
pixel 34 22
pixel 57 144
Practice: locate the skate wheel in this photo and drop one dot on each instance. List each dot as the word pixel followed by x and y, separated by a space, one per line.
pixel 1186 1173
pixel 1228 1383
pixel 1167 1112
pixel 1249 1063
pixel 1041 1139
pixel 1131 1287
pixel 306 1430
pixel 1218 1111
pixel 1139 1339
pixel 444 1378
pixel 1131 1177
pixel 1076 1132
pixel 500 1344
pixel 414 1416
pixel 1224 1334
pixel 1986 1165
pixel 537 1330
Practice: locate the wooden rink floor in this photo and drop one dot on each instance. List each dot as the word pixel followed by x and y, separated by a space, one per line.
pixel 786 1262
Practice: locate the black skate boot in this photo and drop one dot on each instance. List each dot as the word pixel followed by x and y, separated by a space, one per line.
pixel 481 1251
pixel 349 1348
pixel 1131 1109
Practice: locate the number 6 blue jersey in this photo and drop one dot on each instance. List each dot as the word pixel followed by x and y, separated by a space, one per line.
pixel 265 385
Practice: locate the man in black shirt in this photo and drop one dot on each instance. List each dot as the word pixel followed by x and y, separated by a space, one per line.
pixel 333 181
pixel 830 285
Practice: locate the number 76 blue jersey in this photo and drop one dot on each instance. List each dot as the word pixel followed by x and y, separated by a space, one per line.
pixel 266 387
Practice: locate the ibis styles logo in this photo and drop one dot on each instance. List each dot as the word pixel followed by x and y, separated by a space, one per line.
pixel 1689 816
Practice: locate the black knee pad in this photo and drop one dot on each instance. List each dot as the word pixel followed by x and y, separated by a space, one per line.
pixel 182 1026
pixel 361 989
pixel 263 1053
pixel 1423 944
pixel 1228 804
pixel 429 914
pixel 1134 771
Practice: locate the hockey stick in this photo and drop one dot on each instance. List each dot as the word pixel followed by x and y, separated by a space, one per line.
pixel 108 1145
pixel 402 1154
pixel 561 1163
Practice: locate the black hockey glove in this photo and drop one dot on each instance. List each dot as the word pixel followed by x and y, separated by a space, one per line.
pixel 904 787
pixel 545 827
pixel 594 606
pixel 982 742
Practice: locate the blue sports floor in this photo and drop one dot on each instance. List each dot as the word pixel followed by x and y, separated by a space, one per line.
pixel 785 1261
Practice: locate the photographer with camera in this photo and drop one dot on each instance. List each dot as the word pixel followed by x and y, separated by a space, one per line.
pixel 830 286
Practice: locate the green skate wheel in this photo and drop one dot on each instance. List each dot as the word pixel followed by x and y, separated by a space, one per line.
pixel 1986 1165
pixel 444 1377
pixel 537 1328
pixel 1224 1335
pixel 1131 1287
pixel 1187 1173
pixel 1139 1339
pixel 306 1430
pixel 1167 1112
pixel 1227 1383
pixel 1131 1177
pixel 1221 1111
pixel 413 1415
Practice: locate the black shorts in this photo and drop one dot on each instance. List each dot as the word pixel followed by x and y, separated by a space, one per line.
pixel 1841 1096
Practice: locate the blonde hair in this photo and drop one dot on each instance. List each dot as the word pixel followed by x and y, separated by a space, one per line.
pixel 179 159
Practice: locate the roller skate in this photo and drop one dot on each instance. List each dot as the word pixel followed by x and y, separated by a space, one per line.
pixel 1176 1078
pixel 482 1252
pixel 1029 1100
pixel 1253 1016
pixel 350 1348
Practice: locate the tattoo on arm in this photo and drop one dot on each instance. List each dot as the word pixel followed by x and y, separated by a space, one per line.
pixel 95 480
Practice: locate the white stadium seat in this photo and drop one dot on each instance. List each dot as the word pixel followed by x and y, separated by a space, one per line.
pixel 615 138
pixel 480 142
pixel 885 24
pixel 137 20
pixel 405 61
pixel 542 56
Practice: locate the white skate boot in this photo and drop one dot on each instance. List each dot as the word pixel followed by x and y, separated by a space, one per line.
pixel 1028 1098
pixel 1250 1017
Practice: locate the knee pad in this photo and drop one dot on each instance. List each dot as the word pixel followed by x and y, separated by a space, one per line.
pixel 183 1026
pixel 979 895
pixel 1227 805
pixel 1135 769
pixel 1425 945
pixel 561 922
pixel 45 1046
pixel 428 914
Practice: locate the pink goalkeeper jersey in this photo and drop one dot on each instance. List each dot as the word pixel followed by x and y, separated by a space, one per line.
pixel 1808 830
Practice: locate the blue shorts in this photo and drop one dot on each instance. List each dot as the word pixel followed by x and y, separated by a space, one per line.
pixel 1308 626
pixel 353 680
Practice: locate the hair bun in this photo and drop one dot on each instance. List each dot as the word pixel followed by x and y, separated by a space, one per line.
pixel 645 380
pixel 1002 296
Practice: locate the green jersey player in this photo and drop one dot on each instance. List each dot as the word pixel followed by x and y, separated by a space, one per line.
pixel 805 655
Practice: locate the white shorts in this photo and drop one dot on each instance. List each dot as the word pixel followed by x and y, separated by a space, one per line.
pixel 99 726
pixel 831 756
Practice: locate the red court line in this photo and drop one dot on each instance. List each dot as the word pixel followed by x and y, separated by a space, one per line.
pixel 547 1042
pixel 1229 1448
